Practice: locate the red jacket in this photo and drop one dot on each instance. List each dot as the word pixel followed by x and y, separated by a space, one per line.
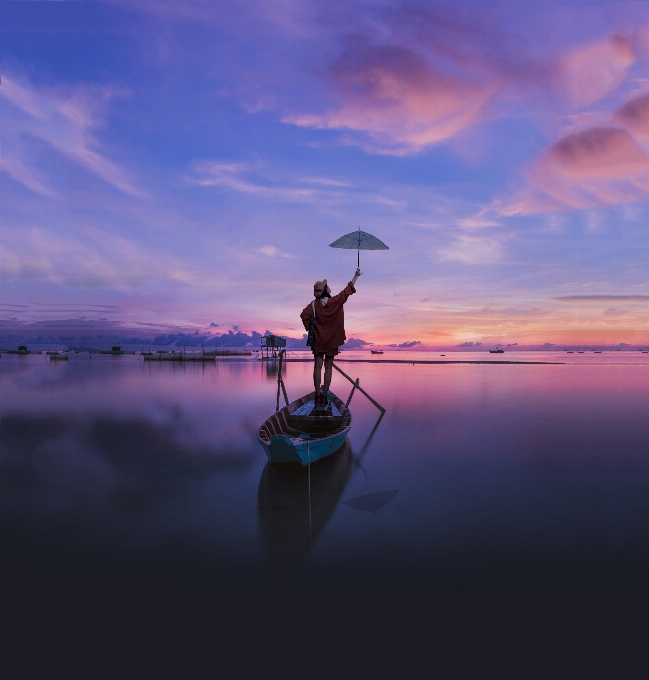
pixel 329 321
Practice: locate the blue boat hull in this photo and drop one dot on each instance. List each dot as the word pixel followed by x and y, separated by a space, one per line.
pixel 286 450
pixel 289 437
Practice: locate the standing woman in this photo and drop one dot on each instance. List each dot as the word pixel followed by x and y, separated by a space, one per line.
pixel 329 330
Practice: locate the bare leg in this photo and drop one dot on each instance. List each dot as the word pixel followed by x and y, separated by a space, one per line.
pixel 329 363
pixel 317 372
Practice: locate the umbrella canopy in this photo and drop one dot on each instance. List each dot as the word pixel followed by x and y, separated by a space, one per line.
pixel 359 240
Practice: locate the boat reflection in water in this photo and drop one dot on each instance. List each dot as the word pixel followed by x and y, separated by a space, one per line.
pixel 283 504
pixel 292 513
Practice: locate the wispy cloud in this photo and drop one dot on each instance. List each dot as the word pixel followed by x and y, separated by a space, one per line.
pixel 239 177
pixel 25 175
pixel 257 180
pixel 602 298
pixel 91 259
pixel 473 249
pixel 273 251
pixel 64 118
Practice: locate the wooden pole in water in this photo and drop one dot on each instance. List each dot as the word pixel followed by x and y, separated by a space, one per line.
pixel 280 382
pixel 356 386
pixel 351 394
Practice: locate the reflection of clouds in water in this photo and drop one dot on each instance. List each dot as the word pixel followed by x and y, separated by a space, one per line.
pixel 43 375
pixel 70 474
pixel 161 414
pixel 113 469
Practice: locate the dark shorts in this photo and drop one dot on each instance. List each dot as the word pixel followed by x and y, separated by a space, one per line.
pixel 330 353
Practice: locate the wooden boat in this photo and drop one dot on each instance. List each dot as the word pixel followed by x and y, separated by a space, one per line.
pixel 376 351
pixel 57 356
pixel 301 433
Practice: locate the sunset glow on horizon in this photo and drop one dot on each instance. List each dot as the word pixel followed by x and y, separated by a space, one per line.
pixel 185 165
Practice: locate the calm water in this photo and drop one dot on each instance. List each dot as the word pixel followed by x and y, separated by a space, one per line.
pixel 479 479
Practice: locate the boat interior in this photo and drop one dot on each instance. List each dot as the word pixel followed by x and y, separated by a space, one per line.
pixel 301 417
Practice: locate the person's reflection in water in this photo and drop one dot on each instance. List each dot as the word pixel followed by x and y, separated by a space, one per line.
pixel 283 504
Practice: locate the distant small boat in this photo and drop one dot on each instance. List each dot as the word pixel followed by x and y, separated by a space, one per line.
pixel 300 433
pixel 578 352
pixel 570 352
pixel 57 356
pixel 376 351
pixel 497 351
pixel 596 352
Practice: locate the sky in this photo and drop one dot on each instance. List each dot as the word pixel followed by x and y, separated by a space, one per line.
pixel 185 165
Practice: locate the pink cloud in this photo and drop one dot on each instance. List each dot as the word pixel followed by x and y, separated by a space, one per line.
pixel 595 167
pixel 598 152
pixel 635 116
pixel 590 72
pixel 399 100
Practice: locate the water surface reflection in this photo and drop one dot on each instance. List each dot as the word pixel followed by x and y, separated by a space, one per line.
pixel 291 520
pixel 492 462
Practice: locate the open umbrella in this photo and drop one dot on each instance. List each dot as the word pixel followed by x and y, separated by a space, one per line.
pixel 359 240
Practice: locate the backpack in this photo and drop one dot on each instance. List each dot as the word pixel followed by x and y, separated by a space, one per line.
pixel 311 337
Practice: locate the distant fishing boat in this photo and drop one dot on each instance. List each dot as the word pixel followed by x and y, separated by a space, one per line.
pixel 376 351
pixel 497 351
pixel 57 356
pixel 301 433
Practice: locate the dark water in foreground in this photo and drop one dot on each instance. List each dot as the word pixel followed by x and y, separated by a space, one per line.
pixel 499 505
